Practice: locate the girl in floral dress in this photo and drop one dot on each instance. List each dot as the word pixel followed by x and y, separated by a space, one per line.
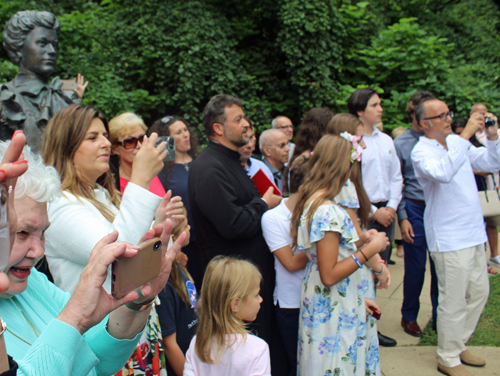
pixel 332 331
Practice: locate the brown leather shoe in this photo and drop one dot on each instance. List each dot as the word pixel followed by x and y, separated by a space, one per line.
pixel 459 370
pixel 471 360
pixel 411 327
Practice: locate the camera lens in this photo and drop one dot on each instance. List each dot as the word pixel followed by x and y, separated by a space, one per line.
pixel 157 246
pixel 171 143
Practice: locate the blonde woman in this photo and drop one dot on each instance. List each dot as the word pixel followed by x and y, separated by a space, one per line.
pixel 126 134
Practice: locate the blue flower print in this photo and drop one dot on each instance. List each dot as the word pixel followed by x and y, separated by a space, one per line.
pixel 322 308
pixel 342 286
pixel 330 345
pixel 347 321
pixel 363 287
pixel 372 357
pixel 307 314
pixel 353 352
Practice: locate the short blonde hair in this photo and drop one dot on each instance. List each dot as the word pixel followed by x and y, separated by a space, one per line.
pixel 124 125
pixel 396 132
pixel 226 279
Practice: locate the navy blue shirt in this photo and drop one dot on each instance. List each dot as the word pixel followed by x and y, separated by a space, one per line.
pixel 178 183
pixel 176 316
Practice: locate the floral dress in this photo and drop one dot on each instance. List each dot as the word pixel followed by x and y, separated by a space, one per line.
pixel 333 337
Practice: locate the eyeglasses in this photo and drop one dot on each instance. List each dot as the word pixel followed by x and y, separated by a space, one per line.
pixel 442 116
pixel 131 142
pixel 286 126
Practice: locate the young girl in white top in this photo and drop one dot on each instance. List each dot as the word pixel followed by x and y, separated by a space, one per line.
pixel 223 346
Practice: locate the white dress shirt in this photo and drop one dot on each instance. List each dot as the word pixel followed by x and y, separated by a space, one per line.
pixel 453 219
pixel 255 165
pixel 381 170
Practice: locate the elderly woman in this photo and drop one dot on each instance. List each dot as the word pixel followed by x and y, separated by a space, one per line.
pixel 76 143
pixel 126 134
pixel 50 332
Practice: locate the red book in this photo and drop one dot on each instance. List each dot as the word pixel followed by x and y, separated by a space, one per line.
pixel 262 182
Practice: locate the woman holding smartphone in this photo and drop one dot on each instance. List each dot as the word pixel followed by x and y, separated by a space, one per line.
pixel 76 143
pixel 126 134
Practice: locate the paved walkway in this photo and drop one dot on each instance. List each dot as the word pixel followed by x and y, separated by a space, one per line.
pixel 408 359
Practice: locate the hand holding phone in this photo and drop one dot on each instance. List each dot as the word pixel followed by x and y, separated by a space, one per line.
pixel 376 313
pixel 129 274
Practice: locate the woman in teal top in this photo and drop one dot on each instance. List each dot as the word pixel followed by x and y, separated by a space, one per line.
pixel 50 332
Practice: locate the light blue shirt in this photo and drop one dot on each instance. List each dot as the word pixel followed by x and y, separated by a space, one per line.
pixel 255 165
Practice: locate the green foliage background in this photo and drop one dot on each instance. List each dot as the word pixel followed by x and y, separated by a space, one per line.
pixel 155 57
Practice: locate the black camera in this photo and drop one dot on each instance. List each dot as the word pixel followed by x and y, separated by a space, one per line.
pixel 488 122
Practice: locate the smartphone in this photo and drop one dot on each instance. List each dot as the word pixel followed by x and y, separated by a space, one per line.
pixel 376 313
pixel 170 147
pixel 4 228
pixel 129 274
pixel 69 84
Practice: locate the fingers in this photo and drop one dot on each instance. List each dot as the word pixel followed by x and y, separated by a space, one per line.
pixel 15 148
pixel 4 282
pixel 150 234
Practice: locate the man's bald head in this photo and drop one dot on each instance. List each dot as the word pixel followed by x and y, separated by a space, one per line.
pixel 479 107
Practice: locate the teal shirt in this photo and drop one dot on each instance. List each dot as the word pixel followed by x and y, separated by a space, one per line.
pixel 60 349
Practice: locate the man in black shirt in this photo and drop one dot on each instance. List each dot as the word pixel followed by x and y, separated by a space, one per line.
pixel 225 204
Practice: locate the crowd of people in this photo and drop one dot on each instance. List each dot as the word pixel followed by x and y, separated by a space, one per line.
pixel 249 283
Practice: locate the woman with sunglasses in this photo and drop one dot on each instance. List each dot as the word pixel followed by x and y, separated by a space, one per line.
pixel 126 134
pixel 174 176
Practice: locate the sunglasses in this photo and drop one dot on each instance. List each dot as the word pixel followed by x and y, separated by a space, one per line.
pixel 131 142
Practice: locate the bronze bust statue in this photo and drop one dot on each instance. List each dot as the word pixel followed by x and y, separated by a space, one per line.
pixel 29 100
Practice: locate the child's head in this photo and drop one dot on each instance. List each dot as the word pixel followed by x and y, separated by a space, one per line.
pixel 230 296
pixel 182 227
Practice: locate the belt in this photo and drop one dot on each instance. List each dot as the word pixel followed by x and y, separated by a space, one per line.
pixel 379 205
pixel 418 202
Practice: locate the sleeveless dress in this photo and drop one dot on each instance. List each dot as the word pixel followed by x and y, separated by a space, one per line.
pixel 333 337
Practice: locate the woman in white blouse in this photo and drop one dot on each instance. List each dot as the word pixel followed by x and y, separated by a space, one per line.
pixel 76 144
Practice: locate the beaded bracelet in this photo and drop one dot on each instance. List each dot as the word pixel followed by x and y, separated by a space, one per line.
pixel 360 265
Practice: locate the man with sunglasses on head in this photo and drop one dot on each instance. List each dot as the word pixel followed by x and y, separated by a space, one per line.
pixel 443 165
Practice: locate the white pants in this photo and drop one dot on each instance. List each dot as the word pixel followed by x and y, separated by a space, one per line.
pixel 463 291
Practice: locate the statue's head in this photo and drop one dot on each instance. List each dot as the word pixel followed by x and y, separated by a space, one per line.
pixel 31 41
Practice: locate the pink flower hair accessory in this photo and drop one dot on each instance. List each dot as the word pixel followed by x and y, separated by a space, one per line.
pixel 357 150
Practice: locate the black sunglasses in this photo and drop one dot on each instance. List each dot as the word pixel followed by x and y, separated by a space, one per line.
pixel 131 142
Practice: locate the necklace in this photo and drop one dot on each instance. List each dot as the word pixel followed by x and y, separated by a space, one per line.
pixel 29 322
pixel 186 166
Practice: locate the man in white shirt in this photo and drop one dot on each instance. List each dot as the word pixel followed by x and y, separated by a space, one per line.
pixel 285 124
pixel 443 165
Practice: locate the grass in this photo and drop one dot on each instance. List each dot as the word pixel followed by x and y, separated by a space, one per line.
pixel 488 329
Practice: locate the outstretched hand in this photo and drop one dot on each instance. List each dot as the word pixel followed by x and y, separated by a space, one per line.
pixel 170 208
pixel 80 86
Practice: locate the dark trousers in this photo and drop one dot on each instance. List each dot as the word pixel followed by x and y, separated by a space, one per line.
pixel 386 255
pixel 288 325
pixel 415 260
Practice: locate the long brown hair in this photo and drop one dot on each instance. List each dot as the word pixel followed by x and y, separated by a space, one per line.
pixel 64 134
pixel 350 123
pixel 311 130
pixel 226 279
pixel 162 128
pixel 329 169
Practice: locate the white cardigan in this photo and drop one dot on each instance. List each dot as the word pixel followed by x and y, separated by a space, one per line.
pixel 76 226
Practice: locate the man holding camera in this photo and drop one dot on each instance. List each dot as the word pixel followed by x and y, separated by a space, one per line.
pixel 443 165
pixel 492 181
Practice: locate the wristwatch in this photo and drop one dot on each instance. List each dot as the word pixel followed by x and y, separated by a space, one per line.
pixel 140 307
